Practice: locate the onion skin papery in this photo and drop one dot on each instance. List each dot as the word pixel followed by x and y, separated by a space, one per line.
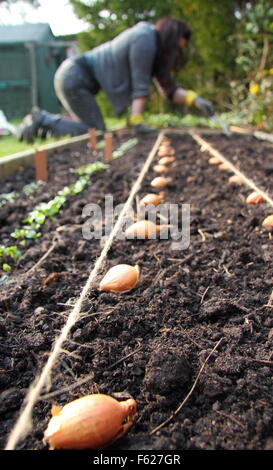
pixel 120 278
pixel 166 160
pixel 235 179
pixel 160 182
pixel 255 198
pixel 268 222
pixel 144 230
pixel 224 167
pixel 165 151
pixel 90 422
pixel 160 169
pixel 152 199
pixel 215 161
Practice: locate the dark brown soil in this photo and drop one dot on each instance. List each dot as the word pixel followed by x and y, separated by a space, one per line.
pixel 150 343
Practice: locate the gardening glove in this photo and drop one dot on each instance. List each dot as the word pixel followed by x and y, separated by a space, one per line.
pixel 205 106
pixel 136 124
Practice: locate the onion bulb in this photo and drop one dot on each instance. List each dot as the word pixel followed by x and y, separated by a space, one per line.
pixel 224 167
pixel 215 161
pixel 144 230
pixel 165 151
pixel 255 198
pixel 236 179
pixel 120 278
pixel 268 222
pixel 166 160
pixel 160 182
pixel 152 199
pixel 90 422
pixel 160 169
pixel 165 141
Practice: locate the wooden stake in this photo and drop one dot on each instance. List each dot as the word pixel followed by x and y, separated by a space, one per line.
pixel 93 138
pixel 108 138
pixel 41 165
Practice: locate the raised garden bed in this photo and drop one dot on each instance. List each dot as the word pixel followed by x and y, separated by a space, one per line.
pixel 155 342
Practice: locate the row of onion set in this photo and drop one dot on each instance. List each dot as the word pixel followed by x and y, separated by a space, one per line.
pixel 124 277
pixel 96 421
pixel 254 197
pixel 146 229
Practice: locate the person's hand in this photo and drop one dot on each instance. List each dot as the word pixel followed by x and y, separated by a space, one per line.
pixel 205 106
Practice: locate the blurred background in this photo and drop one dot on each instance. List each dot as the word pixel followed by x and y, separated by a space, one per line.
pixel 230 59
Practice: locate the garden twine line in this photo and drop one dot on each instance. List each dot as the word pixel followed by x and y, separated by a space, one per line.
pixel 24 422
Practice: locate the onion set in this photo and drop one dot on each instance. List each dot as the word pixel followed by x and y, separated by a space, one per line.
pixel 236 179
pixel 144 230
pixel 160 169
pixel 120 278
pixel 215 161
pixel 152 199
pixel 268 222
pixel 224 167
pixel 255 198
pixel 166 160
pixel 160 181
pixel 90 422
pixel 165 151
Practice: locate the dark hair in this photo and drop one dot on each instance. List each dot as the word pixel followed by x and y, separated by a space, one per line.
pixel 169 32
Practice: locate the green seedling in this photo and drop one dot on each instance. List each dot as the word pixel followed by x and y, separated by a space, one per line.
pixel 6 267
pixel 91 168
pixel 45 210
pixel 9 252
pixel 124 147
pixel 8 197
pixel 28 189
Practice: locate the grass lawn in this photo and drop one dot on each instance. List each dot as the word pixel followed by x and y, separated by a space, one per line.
pixel 10 145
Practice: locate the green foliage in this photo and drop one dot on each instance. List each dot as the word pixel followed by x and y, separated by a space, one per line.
pixel 8 197
pixel 108 18
pixel 91 168
pixel 37 217
pixel 28 189
pixel 252 89
pixel 9 253
pixel 231 48
pixel 161 120
pixel 212 22
pixel 124 147
pixel 6 267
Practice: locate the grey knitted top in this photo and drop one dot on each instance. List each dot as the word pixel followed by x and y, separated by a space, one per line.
pixel 123 66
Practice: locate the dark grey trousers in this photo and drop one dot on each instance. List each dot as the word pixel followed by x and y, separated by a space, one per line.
pixel 75 89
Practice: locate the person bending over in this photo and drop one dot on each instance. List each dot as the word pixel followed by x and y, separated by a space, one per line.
pixel 123 68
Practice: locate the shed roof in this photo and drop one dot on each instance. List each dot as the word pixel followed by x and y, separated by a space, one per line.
pixel 27 32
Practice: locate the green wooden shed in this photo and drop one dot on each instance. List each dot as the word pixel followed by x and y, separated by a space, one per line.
pixel 29 57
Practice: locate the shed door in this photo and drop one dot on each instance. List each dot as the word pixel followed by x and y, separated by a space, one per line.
pixel 15 81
